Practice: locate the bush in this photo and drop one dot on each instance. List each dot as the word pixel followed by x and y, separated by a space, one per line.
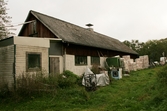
pixel 67 79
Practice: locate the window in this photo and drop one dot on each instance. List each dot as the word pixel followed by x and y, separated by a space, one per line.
pixel 33 32
pixel 34 27
pixel 33 61
pixel 95 60
pixel 80 60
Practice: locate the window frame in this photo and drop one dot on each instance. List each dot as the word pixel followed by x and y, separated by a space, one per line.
pixel 95 58
pixel 81 60
pixel 33 31
pixel 28 68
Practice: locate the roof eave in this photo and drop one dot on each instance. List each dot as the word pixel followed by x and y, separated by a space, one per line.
pixel 101 48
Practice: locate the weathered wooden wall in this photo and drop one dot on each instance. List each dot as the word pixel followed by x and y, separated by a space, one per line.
pixel 42 31
pixel 91 51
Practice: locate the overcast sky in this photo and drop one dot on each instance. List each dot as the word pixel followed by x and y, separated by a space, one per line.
pixel 141 20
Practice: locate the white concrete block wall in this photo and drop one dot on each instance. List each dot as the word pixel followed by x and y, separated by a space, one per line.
pixel 146 61
pixel 141 63
pixel 127 63
pixel 103 61
pixel 21 57
pixel 70 65
pixel 6 64
pixel 79 70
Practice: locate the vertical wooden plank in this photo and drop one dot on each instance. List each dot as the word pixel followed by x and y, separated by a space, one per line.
pixel 54 65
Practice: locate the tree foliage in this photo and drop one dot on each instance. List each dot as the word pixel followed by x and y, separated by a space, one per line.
pixel 134 44
pixel 5 21
pixel 153 48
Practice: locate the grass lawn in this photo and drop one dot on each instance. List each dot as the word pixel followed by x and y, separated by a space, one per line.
pixel 138 92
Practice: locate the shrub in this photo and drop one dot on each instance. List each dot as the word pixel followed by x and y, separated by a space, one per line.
pixel 67 79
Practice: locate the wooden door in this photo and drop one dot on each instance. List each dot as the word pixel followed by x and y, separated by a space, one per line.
pixel 54 65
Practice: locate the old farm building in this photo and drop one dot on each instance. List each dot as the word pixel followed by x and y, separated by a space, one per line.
pixel 47 43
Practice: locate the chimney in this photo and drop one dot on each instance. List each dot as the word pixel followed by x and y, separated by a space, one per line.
pixel 89 27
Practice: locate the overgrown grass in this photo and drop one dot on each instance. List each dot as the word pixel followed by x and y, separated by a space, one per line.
pixel 144 90
pixel 160 99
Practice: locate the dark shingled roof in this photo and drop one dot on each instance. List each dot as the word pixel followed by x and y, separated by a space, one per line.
pixel 77 35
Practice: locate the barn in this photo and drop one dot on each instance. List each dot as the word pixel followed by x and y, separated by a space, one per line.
pixel 50 44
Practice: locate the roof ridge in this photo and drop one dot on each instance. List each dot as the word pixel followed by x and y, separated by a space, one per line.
pixel 72 33
pixel 71 23
pixel 56 18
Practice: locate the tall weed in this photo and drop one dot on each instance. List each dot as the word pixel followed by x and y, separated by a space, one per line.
pixel 4 88
pixel 31 84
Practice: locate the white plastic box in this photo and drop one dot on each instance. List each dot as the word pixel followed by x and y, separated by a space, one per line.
pixel 116 73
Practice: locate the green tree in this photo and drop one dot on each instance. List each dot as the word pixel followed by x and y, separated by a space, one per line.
pixel 153 48
pixel 5 21
pixel 134 44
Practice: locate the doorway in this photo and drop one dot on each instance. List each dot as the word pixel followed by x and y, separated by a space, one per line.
pixel 54 64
